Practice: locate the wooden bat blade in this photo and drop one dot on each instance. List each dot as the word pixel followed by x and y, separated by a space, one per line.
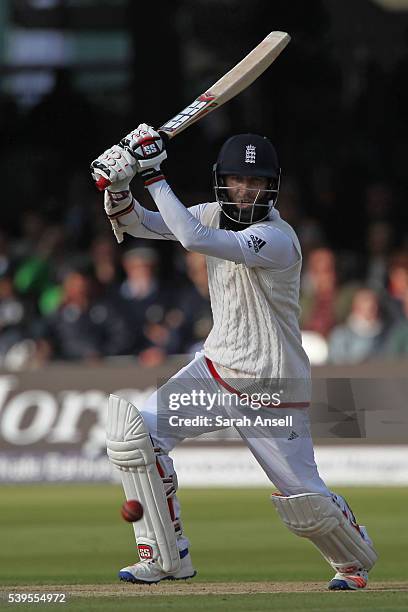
pixel 231 84
pixel 227 87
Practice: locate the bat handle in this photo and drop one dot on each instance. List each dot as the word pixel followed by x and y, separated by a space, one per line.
pixel 165 136
pixel 102 183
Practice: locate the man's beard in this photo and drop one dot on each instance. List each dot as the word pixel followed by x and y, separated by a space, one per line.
pixel 229 224
pixel 246 216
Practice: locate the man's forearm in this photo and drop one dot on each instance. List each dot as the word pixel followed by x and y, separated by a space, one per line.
pixel 186 228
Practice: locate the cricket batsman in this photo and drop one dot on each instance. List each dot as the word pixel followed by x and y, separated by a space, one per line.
pixel 254 262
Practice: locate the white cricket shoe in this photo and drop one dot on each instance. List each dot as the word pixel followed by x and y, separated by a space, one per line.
pixel 148 572
pixel 348 582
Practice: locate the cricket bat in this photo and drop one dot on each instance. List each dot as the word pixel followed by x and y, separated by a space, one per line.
pixel 226 88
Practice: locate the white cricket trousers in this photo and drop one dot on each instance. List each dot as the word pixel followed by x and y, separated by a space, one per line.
pixel 287 460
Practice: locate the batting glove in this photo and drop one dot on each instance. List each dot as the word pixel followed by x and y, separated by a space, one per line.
pixel 148 149
pixel 118 166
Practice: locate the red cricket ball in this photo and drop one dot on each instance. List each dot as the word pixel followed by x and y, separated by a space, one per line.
pixel 132 510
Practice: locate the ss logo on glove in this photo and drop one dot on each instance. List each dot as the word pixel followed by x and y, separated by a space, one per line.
pixel 149 149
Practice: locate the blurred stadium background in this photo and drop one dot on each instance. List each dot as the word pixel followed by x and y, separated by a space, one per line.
pixel 81 316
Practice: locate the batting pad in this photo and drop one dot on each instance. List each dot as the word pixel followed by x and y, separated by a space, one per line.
pixel 343 543
pixel 130 448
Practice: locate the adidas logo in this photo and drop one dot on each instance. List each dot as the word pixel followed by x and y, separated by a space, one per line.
pixel 293 435
pixel 257 243
pixel 250 154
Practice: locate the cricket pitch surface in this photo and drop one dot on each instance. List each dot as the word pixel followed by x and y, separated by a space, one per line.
pixel 189 588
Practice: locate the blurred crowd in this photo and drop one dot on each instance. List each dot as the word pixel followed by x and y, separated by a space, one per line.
pixel 60 300
pixel 358 320
pixel 59 304
pixel 68 291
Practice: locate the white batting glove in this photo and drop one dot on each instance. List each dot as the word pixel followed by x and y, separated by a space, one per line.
pixel 148 149
pixel 118 166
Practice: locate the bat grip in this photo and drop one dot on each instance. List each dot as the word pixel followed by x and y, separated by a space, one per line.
pixel 102 183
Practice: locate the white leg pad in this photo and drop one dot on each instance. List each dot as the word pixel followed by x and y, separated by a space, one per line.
pixel 329 523
pixel 130 448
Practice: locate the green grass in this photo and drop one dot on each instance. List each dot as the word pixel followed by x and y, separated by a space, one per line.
pixel 63 534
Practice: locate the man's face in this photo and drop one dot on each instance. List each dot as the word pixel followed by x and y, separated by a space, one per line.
pixel 244 190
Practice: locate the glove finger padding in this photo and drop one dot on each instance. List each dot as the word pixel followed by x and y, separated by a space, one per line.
pixel 117 165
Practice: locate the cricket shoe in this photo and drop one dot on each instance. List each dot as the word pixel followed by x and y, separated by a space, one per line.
pixel 149 572
pixel 348 582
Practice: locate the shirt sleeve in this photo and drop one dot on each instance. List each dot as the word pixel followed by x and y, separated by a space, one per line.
pixel 256 246
pixel 148 224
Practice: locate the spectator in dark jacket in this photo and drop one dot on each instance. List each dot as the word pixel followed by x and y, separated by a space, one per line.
pixel 82 327
pixel 144 304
